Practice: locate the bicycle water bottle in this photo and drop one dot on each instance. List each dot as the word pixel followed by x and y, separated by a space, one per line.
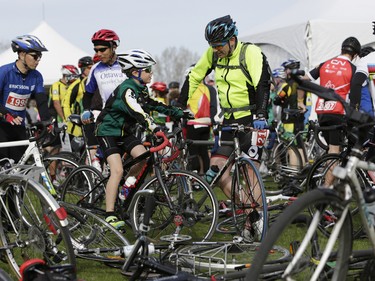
pixel 125 189
pixel 211 173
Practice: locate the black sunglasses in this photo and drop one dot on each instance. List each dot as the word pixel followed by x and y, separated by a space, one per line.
pixel 148 69
pixel 35 56
pixel 102 50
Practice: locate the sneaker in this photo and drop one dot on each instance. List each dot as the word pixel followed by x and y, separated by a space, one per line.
pixel 115 222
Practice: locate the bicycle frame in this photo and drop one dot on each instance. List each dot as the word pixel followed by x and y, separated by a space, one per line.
pixel 31 150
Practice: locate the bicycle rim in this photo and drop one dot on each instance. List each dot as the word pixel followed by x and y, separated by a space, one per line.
pixel 93 238
pixel 85 186
pixel 249 198
pixel 193 210
pixel 221 257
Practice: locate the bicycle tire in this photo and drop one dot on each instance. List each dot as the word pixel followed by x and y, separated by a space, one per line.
pixel 93 238
pixel 221 257
pixel 316 178
pixel 85 186
pixel 250 186
pixel 39 221
pixel 291 228
pixel 279 166
pixel 193 203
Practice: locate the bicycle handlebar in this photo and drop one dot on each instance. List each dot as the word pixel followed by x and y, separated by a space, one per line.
pixel 164 144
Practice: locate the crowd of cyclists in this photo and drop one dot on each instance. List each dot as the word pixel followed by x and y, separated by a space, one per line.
pixel 113 92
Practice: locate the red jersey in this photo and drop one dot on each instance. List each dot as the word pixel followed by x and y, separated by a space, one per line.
pixel 337 74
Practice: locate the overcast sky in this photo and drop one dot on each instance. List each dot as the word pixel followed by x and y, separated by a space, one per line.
pixel 155 25
pixel 149 24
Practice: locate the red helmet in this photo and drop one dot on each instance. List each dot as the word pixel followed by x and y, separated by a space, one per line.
pixel 159 86
pixel 106 35
pixel 69 69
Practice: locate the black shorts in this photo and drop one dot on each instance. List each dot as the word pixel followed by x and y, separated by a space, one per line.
pixel 333 137
pixel 112 145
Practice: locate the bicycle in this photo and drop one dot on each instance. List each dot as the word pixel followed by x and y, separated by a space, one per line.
pixel 316 255
pixel 32 223
pixel 185 203
pixel 248 196
pixel 287 164
pixel 33 154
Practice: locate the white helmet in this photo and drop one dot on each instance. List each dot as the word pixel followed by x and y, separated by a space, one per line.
pixel 135 58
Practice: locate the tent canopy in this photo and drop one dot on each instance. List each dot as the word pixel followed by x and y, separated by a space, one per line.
pixel 60 52
pixel 310 42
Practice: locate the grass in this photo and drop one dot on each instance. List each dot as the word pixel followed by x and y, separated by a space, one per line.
pixel 95 271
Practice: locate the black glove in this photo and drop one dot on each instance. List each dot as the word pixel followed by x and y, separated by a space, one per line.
pixel 278 101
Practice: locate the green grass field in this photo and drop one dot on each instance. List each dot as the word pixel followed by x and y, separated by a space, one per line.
pixel 96 271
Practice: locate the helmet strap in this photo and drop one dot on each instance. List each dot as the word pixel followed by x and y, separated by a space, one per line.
pixel 231 49
pixel 23 61
pixel 139 77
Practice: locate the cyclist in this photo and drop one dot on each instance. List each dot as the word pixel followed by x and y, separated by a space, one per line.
pixel 104 77
pixel 73 98
pixel 203 104
pixel 58 90
pixel 289 98
pixel 18 81
pixel 129 104
pixel 159 92
pixel 336 73
pixel 243 91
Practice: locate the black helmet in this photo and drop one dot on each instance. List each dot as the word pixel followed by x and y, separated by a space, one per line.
pixel 85 61
pixel 291 64
pixel 351 45
pixel 221 29
pixel 173 84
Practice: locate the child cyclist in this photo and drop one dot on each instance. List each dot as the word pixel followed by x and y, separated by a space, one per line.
pixel 129 104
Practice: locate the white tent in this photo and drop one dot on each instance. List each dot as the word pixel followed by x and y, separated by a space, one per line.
pixel 310 42
pixel 60 52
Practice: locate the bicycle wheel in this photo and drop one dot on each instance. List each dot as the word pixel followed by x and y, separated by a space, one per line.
pixel 58 168
pixel 297 230
pixel 85 186
pixel 33 225
pixel 249 198
pixel 317 177
pixel 220 257
pixel 187 206
pixel 92 237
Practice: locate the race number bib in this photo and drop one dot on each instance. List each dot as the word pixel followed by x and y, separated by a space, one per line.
pixel 16 101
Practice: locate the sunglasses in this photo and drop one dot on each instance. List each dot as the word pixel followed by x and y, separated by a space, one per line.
pixel 147 70
pixel 218 45
pixel 102 50
pixel 35 56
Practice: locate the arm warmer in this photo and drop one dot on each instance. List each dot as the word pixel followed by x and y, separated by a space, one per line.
pixel 42 104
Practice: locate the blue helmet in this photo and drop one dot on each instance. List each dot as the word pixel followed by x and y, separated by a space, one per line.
pixel 27 43
pixel 221 29
pixel 279 73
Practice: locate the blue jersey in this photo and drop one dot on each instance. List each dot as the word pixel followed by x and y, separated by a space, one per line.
pixel 16 88
pixel 105 78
